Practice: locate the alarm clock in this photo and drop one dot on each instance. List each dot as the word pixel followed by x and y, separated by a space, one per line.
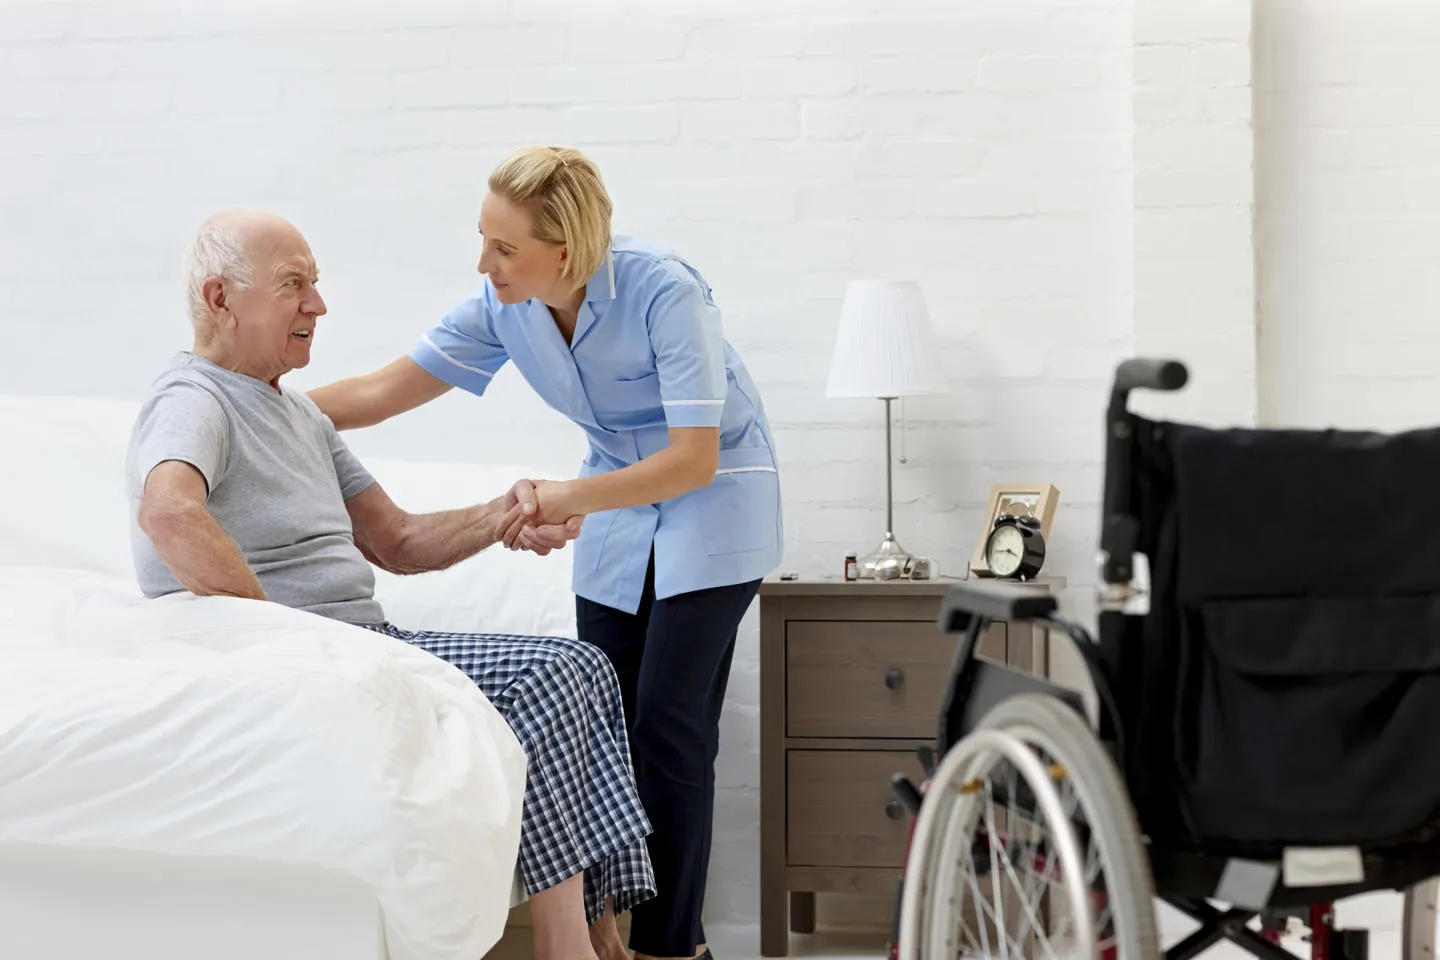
pixel 1015 548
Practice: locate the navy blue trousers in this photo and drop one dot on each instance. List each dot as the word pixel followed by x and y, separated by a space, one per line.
pixel 672 658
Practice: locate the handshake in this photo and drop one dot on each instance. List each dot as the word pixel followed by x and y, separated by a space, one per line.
pixel 534 517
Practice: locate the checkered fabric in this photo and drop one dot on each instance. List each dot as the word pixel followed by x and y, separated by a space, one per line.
pixel 581 811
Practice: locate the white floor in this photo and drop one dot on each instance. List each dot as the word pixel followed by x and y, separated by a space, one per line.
pixel 743 943
pixel 1384 945
pixel 1379 913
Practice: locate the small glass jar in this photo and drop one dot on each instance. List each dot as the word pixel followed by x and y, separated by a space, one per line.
pixel 852 566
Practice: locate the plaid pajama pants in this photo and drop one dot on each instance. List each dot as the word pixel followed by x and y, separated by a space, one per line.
pixel 581 810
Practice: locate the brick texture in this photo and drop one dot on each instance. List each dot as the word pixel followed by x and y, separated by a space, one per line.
pixel 1194 251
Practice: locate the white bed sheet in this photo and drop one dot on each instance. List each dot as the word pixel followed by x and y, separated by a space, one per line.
pixel 62 504
pixel 220 727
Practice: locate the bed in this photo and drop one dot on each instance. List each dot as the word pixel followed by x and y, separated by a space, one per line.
pixel 221 778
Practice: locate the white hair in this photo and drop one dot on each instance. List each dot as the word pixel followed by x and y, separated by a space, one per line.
pixel 216 251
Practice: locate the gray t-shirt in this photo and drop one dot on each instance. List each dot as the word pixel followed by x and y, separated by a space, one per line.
pixel 278 477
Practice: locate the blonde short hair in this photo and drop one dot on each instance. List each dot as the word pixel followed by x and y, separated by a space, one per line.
pixel 567 200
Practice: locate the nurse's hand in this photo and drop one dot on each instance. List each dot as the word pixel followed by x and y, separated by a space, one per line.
pixel 543 538
pixel 522 494
pixel 552 502
pixel 554 522
pixel 531 520
pixel 542 502
pixel 518 510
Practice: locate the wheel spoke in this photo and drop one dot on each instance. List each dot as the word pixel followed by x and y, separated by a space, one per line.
pixel 1062 870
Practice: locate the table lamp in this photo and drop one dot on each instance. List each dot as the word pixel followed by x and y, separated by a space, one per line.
pixel 885 349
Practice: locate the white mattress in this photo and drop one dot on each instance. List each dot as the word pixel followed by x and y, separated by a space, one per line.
pixel 225 728
pixel 62 904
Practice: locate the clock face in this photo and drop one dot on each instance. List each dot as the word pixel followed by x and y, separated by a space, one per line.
pixel 1006 548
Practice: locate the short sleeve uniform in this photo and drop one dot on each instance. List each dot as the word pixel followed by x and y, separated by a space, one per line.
pixel 648 354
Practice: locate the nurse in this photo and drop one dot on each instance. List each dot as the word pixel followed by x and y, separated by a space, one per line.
pixel 679 493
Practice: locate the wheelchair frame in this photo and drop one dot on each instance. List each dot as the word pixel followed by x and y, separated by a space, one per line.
pixel 1183 879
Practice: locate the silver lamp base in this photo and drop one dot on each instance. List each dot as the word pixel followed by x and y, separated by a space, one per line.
pixel 890 561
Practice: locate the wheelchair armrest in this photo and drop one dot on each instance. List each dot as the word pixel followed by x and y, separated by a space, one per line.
pixel 993 601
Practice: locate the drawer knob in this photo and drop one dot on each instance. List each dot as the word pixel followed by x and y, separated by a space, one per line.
pixel 894 809
pixel 893 678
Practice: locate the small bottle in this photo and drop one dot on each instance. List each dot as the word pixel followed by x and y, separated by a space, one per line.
pixel 852 568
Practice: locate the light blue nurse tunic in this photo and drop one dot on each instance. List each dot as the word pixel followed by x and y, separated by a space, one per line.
pixel 648 353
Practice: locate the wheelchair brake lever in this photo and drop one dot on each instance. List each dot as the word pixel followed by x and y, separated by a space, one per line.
pixel 906 792
pixel 926 753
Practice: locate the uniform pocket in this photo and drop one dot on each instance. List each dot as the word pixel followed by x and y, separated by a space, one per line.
pixel 589 547
pixel 742 509
pixel 627 404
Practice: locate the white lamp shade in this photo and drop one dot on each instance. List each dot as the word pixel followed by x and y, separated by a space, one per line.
pixel 885 346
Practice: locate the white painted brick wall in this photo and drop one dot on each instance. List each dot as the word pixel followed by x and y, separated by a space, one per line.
pixel 1194 261
pixel 1348 180
pixel 984 149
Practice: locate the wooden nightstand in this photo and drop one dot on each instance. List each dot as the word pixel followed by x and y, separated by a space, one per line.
pixel 851 678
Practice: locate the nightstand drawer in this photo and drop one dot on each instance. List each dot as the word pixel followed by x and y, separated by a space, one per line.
pixel 869 678
pixel 836 808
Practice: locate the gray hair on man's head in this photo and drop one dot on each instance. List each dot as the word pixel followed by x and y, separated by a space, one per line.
pixel 217 250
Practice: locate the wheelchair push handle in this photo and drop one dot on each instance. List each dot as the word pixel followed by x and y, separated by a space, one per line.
pixel 1148 373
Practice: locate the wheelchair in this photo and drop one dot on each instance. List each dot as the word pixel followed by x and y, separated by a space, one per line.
pixel 1259 739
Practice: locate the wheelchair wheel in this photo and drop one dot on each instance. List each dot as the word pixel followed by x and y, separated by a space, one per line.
pixel 1418 935
pixel 1067 824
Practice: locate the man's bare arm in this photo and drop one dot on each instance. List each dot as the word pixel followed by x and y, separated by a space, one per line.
pixel 405 543
pixel 205 560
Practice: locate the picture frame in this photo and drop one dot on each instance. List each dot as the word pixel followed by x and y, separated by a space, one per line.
pixel 1038 500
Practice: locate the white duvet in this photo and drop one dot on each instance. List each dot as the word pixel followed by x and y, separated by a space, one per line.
pixel 219 726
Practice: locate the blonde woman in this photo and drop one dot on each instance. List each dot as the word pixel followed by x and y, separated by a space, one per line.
pixel 678 499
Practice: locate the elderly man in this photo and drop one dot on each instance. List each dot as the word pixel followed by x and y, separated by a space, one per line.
pixel 241 487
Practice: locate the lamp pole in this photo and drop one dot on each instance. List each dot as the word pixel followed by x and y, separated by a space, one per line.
pixel 889 561
pixel 889 475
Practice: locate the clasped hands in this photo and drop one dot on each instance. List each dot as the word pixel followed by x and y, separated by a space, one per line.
pixel 535 517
